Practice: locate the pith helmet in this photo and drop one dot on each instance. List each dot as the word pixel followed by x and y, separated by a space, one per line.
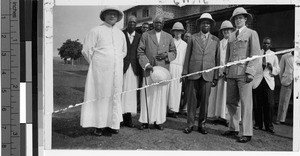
pixel 226 25
pixel 160 74
pixel 206 16
pixel 178 26
pixel 120 16
pixel 240 11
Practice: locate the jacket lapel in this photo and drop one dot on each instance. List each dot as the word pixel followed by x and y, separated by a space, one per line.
pixel 153 37
pixel 209 41
pixel 198 39
pixel 162 37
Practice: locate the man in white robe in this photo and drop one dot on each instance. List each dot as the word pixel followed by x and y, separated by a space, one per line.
pixel 104 48
pixel 176 67
pixel 156 48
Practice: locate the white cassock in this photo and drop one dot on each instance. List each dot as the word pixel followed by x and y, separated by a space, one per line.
pixel 104 48
pixel 217 99
pixel 176 67
pixel 129 100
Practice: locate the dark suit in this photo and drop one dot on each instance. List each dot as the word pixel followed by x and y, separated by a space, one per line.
pixel 200 55
pixel 131 57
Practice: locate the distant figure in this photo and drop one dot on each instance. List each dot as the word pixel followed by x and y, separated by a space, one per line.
pixel 286 76
pixel 145 27
pixel 263 88
pixel 242 43
pixel 104 48
pixel 132 72
pixel 156 48
pixel 186 36
pixel 217 108
pixel 202 53
pixel 176 67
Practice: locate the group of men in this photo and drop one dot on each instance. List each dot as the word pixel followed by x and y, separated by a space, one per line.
pixel 124 61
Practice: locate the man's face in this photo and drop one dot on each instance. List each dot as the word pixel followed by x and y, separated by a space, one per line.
pixel 186 36
pixel 205 26
pixel 111 17
pixel 158 24
pixel 132 24
pixel 266 44
pixel 240 21
pixel 145 27
pixel 226 33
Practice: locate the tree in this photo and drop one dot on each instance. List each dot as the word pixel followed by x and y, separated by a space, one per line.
pixel 70 49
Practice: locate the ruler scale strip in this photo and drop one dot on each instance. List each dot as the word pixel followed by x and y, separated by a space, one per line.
pixel 10 76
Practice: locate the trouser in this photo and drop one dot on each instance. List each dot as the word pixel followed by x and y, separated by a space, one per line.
pixel 198 94
pixel 284 100
pixel 263 103
pixel 239 89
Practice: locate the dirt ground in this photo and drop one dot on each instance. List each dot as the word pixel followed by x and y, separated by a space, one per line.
pixel 67 133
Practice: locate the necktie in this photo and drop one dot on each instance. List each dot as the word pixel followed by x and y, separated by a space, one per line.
pixel 237 33
pixel 264 62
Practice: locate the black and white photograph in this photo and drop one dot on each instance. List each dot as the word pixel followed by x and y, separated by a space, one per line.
pixel 182 75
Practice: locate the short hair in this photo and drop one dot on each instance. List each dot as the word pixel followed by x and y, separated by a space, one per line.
pixel 145 23
pixel 268 38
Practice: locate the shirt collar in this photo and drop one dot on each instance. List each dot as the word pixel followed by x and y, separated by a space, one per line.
pixel 242 28
pixel 206 35
pixel 132 34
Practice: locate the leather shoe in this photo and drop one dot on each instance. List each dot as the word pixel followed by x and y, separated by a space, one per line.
pixel 231 133
pixel 257 127
pixel 244 139
pixel 130 125
pixel 113 131
pixel 202 130
pixel 172 115
pixel 98 131
pixel 270 130
pixel 143 126
pixel 188 130
pixel 158 126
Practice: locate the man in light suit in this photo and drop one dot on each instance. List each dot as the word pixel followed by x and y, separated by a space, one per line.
pixel 242 43
pixel 286 76
pixel 132 71
pixel 263 88
pixel 156 48
pixel 202 53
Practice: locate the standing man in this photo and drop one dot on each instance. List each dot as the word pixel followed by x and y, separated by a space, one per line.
pixel 176 70
pixel 202 53
pixel 242 43
pixel 131 71
pixel 104 48
pixel 263 88
pixel 156 48
pixel 286 76
pixel 145 27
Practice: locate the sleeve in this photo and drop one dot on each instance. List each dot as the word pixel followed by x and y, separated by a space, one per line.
pixel 172 50
pixel 187 56
pixel 281 66
pixel 141 54
pixel 276 68
pixel 88 45
pixel 217 60
pixel 254 50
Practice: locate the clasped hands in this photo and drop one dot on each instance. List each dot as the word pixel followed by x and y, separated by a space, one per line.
pixel 161 56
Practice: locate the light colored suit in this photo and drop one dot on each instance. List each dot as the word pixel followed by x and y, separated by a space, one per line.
pixel 156 95
pixel 246 44
pixel 200 55
pixel 286 76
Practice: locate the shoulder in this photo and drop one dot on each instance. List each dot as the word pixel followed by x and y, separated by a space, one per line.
pixel 213 37
pixel 251 31
pixel 167 34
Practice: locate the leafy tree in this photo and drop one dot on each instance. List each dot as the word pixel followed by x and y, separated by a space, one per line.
pixel 70 49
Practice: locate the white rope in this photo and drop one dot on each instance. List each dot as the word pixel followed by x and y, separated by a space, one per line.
pixel 173 79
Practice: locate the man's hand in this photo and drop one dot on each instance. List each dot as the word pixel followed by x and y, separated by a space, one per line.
pixel 269 66
pixel 214 82
pixel 182 79
pixel 149 68
pixel 161 56
pixel 249 78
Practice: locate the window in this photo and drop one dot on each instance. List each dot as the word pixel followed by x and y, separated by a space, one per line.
pixel 145 13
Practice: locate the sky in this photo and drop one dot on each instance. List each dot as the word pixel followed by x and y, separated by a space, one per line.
pixel 73 22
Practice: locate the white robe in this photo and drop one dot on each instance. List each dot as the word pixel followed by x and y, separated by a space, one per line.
pixel 129 100
pixel 217 99
pixel 176 67
pixel 157 103
pixel 104 48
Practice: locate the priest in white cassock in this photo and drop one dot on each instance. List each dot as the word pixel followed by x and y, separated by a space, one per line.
pixel 104 48
pixel 132 70
pixel 156 48
pixel 176 67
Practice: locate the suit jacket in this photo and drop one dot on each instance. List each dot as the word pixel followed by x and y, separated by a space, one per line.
pixel 200 57
pixel 149 48
pixel 131 57
pixel 266 73
pixel 246 44
pixel 286 74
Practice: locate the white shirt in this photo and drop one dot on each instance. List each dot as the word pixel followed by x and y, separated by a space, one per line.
pixel 158 35
pixel 241 29
pixel 131 36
